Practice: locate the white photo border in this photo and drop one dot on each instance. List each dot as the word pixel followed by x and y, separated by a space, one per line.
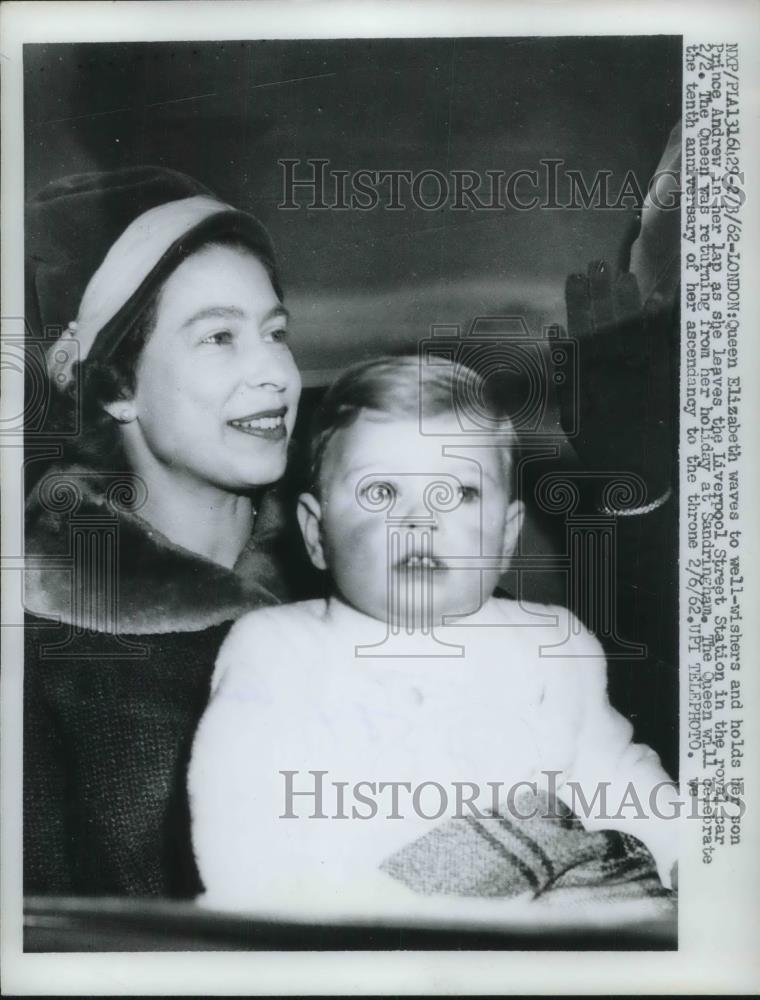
pixel 718 918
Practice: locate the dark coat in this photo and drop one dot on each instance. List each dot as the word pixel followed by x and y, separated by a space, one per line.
pixel 114 690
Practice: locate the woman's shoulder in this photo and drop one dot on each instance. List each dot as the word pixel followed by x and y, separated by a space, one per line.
pixel 94 563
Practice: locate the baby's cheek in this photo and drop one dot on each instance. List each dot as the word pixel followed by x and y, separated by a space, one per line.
pixel 471 539
pixel 363 532
pixel 359 544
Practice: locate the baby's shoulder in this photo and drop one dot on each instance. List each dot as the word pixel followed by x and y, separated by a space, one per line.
pixel 271 639
pixel 533 614
pixel 550 628
pixel 279 619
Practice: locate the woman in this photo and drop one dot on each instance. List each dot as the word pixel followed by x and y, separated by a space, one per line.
pixel 155 533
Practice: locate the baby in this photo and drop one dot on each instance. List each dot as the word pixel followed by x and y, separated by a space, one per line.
pixel 382 741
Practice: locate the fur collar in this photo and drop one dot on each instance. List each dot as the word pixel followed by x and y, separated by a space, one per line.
pixel 130 578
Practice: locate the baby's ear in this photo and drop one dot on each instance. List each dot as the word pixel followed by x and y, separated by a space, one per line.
pixel 513 526
pixel 310 521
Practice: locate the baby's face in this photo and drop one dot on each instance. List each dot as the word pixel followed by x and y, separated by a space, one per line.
pixel 403 523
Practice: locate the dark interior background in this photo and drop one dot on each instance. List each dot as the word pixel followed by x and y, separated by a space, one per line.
pixel 364 282
pixel 227 112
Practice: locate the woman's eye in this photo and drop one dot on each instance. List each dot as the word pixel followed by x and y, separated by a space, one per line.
pixel 468 493
pixel 219 337
pixel 278 336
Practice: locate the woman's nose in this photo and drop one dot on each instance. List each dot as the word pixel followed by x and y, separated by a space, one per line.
pixel 263 366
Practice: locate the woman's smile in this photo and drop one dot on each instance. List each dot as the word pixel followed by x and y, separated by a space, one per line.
pixel 266 423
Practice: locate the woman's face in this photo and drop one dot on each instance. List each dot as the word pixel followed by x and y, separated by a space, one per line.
pixel 216 385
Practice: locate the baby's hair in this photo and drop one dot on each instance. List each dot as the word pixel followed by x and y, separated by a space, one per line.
pixel 405 386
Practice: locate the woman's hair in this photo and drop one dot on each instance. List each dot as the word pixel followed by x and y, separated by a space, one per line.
pixel 96 382
pixel 407 386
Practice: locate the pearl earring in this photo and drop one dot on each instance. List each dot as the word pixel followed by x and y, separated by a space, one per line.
pixel 124 415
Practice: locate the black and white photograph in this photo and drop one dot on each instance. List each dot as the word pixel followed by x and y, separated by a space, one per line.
pixel 376 497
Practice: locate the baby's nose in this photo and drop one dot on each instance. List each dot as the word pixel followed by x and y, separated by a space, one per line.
pixel 417 515
pixel 422 521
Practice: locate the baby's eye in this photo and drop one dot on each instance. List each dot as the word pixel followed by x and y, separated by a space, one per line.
pixel 278 336
pixel 218 338
pixel 468 493
pixel 378 492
